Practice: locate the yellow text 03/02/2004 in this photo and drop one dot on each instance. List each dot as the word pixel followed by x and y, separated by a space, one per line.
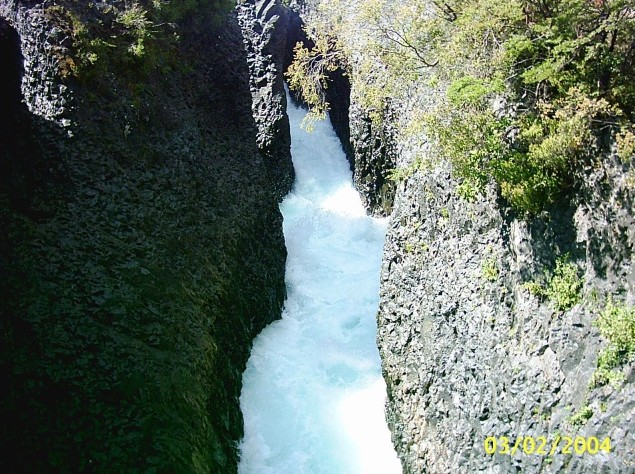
pixel 543 446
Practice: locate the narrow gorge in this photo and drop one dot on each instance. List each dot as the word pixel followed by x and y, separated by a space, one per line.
pixel 313 395
pixel 148 278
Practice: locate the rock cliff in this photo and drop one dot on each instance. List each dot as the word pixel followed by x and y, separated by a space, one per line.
pixel 265 24
pixel 470 349
pixel 141 247
pixel 468 352
pixel 493 324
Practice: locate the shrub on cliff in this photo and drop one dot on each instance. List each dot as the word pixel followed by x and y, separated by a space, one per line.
pixel 565 65
pixel 309 71
pixel 110 37
pixel 617 325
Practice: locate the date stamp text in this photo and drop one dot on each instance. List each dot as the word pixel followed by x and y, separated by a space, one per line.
pixel 543 446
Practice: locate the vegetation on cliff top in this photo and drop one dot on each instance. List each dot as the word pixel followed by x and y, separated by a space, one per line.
pixel 110 37
pixel 531 90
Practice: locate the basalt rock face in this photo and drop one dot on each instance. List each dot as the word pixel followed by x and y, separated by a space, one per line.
pixel 338 96
pixel 264 24
pixel 374 151
pixel 469 352
pixel 141 250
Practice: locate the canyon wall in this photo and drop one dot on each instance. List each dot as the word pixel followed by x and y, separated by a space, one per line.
pixel 469 352
pixel 141 251
pixel 492 324
pixel 470 349
pixel 265 24
pixel 141 246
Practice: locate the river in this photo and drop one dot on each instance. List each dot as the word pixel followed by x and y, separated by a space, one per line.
pixel 313 396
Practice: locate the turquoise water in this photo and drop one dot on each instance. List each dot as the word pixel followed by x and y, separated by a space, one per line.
pixel 313 396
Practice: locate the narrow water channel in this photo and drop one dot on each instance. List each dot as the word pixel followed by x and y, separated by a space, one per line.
pixel 313 396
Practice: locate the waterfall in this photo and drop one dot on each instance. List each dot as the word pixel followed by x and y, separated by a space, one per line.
pixel 313 396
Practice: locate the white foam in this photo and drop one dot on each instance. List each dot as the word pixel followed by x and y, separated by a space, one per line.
pixel 313 396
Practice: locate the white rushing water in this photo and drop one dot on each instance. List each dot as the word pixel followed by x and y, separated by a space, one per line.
pixel 313 396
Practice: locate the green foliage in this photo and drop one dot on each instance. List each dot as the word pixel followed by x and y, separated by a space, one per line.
pixel 403 173
pixel 471 139
pixel 110 38
pixel 469 91
pixel 308 75
pixel 603 376
pixel 137 26
pixel 532 169
pixel 564 64
pixel 534 288
pixel 617 324
pixel 625 141
pixel 581 416
pixel 407 46
pixel 564 288
pixel 489 270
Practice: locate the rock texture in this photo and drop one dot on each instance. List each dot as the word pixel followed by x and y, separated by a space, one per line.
pixel 468 352
pixel 141 250
pixel 264 24
pixel 41 47
pixel 374 151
